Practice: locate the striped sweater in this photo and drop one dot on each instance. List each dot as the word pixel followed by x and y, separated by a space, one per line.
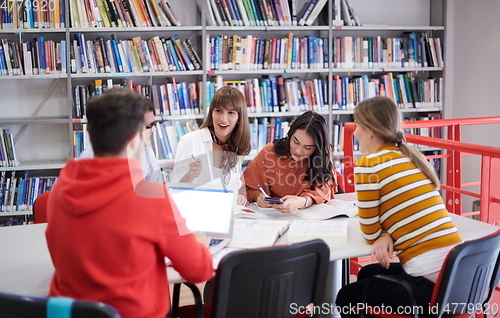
pixel 396 197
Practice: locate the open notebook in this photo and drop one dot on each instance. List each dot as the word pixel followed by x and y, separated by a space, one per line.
pixel 208 209
pixel 316 212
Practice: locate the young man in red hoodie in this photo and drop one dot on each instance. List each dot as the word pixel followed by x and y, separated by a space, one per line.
pixel 109 230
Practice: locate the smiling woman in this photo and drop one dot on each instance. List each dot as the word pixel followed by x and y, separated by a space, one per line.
pixel 215 152
pixel 298 169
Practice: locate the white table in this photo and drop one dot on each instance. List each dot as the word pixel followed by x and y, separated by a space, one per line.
pixel 26 267
pixel 356 246
pixel 25 264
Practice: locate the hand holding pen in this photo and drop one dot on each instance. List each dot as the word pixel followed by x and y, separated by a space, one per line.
pixel 260 198
pixel 194 170
pixel 195 167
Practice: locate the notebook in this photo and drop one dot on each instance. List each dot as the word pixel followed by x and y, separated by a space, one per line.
pixel 208 209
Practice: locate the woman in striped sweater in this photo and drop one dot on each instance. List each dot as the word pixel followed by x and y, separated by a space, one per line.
pixel 400 210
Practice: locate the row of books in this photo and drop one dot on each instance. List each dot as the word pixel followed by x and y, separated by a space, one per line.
pixel 169 99
pixel 234 52
pixel 8 156
pixel 31 14
pixel 435 162
pixel 276 94
pixel 80 141
pixel 435 132
pixel 167 135
pixel 411 49
pixel 122 13
pixel 262 12
pixel 273 93
pixel 41 56
pixel 19 193
pixel 342 14
pixel 265 130
pixel 406 89
pixel 227 53
pixel 132 56
pixel 37 57
pixel 34 14
pixel 13 220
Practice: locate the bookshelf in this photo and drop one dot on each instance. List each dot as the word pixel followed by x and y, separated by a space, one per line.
pixel 43 121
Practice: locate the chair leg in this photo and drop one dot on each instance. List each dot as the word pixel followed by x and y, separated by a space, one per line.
pixel 207 291
pixel 346 277
pixel 174 311
pixel 197 299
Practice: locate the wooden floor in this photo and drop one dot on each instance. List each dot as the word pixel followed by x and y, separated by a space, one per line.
pixel 186 294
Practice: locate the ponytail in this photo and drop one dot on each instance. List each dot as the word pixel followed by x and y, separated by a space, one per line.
pixel 419 160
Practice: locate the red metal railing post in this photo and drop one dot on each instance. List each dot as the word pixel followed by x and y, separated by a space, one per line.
pixel 348 157
pixel 490 190
pixel 484 216
pixel 457 172
pixel 450 167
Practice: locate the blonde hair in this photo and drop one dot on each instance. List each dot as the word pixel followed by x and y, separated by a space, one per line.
pixel 229 97
pixel 381 116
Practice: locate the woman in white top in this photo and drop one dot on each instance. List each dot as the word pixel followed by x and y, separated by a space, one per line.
pixel 214 153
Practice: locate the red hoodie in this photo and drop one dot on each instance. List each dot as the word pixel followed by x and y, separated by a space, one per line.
pixel 108 239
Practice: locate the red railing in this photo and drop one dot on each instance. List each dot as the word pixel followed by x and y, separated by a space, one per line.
pixel 454 149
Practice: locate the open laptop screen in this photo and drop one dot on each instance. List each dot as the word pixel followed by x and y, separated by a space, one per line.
pixel 206 209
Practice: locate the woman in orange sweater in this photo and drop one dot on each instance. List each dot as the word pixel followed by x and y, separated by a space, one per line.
pixel 298 168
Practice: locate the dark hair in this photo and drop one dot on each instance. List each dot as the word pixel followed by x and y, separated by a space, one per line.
pixel 229 97
pixel 150 107
pixel 320 164
pixel 381 116
pixel 114 117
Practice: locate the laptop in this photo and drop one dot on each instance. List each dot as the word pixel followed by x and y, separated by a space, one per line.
pixel 208 209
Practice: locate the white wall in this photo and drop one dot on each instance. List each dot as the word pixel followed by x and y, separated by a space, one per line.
pixel 473 51
pixel 472 72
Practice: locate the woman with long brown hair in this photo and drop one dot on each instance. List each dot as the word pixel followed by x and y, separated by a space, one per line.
pixel 400 210
pixel 215 152
pixel 298 168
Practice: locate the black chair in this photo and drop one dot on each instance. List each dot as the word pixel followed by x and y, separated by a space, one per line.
pixel 15 306
pixel 466 283
pixel 273 282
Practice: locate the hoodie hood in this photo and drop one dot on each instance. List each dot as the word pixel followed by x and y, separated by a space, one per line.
pixel 87 185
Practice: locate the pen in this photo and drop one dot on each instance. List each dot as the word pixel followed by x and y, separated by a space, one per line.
pixel 262 190
pixel 194 159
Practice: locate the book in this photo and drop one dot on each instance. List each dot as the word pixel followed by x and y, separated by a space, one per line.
pixel 334 231
pixel 253 233
pixel 328 210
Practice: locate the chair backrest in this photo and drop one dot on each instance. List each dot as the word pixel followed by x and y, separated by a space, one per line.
pixel 468 276
pixel 15 306
pixel 271 282
pixel 40 207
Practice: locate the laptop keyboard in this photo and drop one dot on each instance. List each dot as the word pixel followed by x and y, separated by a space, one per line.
pixel 215 241
pixel 217 244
